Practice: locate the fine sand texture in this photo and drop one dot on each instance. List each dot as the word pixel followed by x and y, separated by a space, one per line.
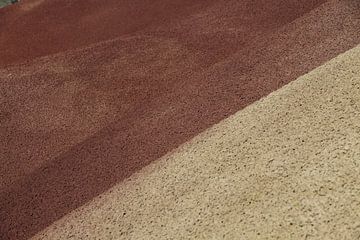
pixel 104 90
pixel 285 167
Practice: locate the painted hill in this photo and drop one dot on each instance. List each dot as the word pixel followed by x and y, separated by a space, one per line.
pixel 59 25
pixel 95 93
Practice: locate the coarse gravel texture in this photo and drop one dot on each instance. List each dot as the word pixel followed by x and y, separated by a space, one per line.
pixel 286 167
pixel 76 123
pixel 35 28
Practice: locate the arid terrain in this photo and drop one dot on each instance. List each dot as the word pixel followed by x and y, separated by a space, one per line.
pixel 172 119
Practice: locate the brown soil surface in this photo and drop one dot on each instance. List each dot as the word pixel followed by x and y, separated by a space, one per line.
pixel 78 122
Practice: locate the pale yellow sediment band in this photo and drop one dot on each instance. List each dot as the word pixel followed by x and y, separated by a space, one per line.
pixel 286 167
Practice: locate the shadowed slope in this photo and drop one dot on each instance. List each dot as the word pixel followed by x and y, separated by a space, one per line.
pixel 67 98
pixel 81 121
pixel 36 28
pixel 285 167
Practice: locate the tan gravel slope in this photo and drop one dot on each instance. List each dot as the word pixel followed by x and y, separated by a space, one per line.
pixel 286 167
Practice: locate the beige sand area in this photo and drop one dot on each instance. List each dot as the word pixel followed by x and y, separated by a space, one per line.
pixel 286 167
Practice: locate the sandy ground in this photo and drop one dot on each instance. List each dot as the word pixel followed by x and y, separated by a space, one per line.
pixel 118 96
pixel 286 167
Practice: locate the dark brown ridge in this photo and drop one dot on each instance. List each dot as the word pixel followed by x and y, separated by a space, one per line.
pixel 36 28
pixel 159 88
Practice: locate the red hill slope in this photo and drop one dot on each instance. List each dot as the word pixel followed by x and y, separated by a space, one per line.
pixel 156 73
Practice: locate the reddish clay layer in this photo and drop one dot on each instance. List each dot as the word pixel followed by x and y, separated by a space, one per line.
pixel 37 28
pixel 52 104
pixel 159 89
